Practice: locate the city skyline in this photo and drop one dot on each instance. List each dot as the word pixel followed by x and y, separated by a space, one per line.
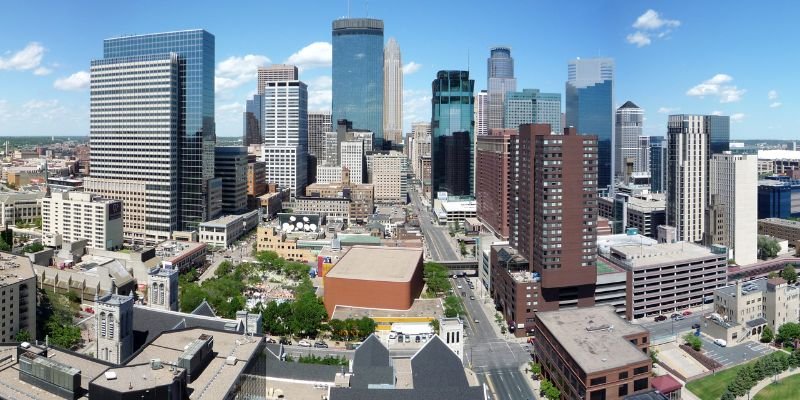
pixel 44 66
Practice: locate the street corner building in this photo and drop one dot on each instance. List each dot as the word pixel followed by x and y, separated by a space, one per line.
pixel 375 277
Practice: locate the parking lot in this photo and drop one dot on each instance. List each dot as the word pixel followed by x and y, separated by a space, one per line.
pixel 734 355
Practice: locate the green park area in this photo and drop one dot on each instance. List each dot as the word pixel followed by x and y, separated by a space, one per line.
pixel 784 389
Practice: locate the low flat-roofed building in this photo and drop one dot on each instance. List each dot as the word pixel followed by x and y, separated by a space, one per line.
pixel 94 277
pixel 375 277
pixel 148 380
pixel 334 209
pixel 780 228
pixel 181 255
pixel 272 238
pixel 271 204
pixel 24 207
pixel 611 287
pixel 18 295
pixel 666 277
pixel 626 211
pixel 454 210
pixel 222 232
pixel 591 353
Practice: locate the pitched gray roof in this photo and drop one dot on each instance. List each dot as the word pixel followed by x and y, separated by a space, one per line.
pixel 204 309
pixel 629 104
pixel 149 323
pixel 372 364
pixel 436 366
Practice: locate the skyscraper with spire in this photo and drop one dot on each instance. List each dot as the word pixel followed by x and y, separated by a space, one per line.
pixel 392 93
pixel 500 73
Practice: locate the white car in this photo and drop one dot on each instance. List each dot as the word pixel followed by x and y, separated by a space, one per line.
pixel 304 343
pixel 459 286
pixel 720 342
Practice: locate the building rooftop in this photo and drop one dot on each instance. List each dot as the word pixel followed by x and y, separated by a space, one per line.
pixel 636 256
pixel 115 299
pixel 223 222
pixel 460 206
pixel 606 242
pixel 137 377
pixel 393 264
pixel 594 337
pixel 778 155
pixel 421 308
pixel 781 222
pixel 173 250
pixel 14 269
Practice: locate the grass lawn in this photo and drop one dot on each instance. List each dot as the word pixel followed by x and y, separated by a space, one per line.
pixel 785 389
pixel 713 386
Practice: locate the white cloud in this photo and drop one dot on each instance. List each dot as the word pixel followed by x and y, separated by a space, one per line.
pixel 320 93
pixel 716 113
pixel 776 104
pixel 26 59
pixel 411 67
pixel 640 39
pixel 416 106
pixel 5 114
pixel 236 71
pixel 667 110
pixel 718 86
pixel 231 108
pixel 42 71
pixel 772 95
pixel 77 81
pixel 647 24
pixel 43 109
pixel 650 20
pixel 317 54
pixel 738 117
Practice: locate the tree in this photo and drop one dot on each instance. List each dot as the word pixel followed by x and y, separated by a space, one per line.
pixel 772 275
pixel 768 247
pixel 654 355
pixel 767 335
pixel 536 369
pixel 434 325
pixel 23 336
pixel 463 248
pixel 728 396
pixel 34 247
pixel 788 332
pixel 789 274
pixel 693 341
pixel 549 391
pixel 436 278
pixel 38 222
pixel 452 306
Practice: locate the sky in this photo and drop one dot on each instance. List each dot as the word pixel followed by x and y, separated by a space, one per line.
pixel 734 58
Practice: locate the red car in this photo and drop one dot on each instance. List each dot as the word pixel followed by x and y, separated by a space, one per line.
pixel 687 312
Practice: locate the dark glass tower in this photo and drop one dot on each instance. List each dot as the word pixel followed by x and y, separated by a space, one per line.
pixel 719 130
pixel 196 129
pixel 590 108
pixel 253 125
pixel 658 166
pixel 452 125
pixel 358 74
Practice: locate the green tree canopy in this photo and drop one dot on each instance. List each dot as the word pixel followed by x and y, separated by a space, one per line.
pixel 766 335
pixel 768 247
pixel 789 273
pixel 452 306
pixel 788 332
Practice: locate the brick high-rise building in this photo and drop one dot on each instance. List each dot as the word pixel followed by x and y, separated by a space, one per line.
pixel 556 212
pixel 493 179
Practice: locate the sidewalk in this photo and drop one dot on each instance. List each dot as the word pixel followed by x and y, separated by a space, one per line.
pixel 487 305
pixel 767 381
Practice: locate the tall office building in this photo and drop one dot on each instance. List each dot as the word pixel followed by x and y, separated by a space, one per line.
pixel 658 164
pixel 275 73
pixel 319 122
pixel 481 111
pixel 642 162
pixel 357 71
pixel 493 187
pixel 555 226
pixel 421 132
pixel 135 160
pixel 253 132
pixel 392 93
pixel 286 134
pixel 590 108
pixel 687 175
pixel 231 168
pixel 452 130
pixel 352 158
pixel 500 73
pixel 733 191
pixel 530 106
pixel 719 130
pixel 627 130
pixel 184 96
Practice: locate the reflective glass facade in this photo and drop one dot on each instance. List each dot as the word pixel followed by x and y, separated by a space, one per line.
pixel 658 167
pixel 500 74
pixel 253 132
pixel 590 108
pixel 530 106
pixel 719 130
pixel 452 154
pixel 358 74
pixel 196 131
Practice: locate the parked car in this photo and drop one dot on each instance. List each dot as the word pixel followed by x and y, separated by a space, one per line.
pixel 392 335
pixel 687 313
pixel 720 342
pixel 408 338
pixel 271 340
pixel 320 345
pixel 417 339
pixel 304 343
pixel 678 317
pixel 285 341
pixel 695 326
pixel 674 315
pixel 472 297
pixel 477 321
pixel 661 318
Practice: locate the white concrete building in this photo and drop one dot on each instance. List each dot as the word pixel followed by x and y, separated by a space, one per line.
pixel 745 308
pixel 352 158
pixel 222 232
pixel 392 93
pixel 481 113
pixel 328 174
pixel 72 216
pixel 451 331
pixel 687 175
pixel 286 134
pixel 319 122
pixel 18 297
pixel 20 207
pixel 733 186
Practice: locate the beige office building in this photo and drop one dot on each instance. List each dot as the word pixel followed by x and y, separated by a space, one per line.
pixel 18 297
pixel 387 178
pixel 73 216
pixel 733 193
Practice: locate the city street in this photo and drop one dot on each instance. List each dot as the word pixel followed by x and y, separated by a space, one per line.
pixel 439 244
pixel 495 360
pixel 669 327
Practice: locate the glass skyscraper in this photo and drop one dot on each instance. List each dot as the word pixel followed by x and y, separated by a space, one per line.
pixel 196 127
pixel 719 131
pixel 253 124
pixel 530 106
pixel 358 74
pixel 452 127
pixel 590 108
pixel 658 166
pixel 500 74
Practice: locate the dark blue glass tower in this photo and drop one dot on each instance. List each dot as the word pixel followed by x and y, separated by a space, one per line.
pixel 590 108
pixel 452 127
pixel 719 130
pixel 196 131
pixel 358 74
pixel 658 166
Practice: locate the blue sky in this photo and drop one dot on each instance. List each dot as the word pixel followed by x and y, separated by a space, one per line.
pixel 732 57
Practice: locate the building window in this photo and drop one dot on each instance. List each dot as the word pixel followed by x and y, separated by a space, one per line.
pixel 623 390
pixel 597 381
pixel 640 384
pixel 640 370
pixel 598 395
pixel 623 375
